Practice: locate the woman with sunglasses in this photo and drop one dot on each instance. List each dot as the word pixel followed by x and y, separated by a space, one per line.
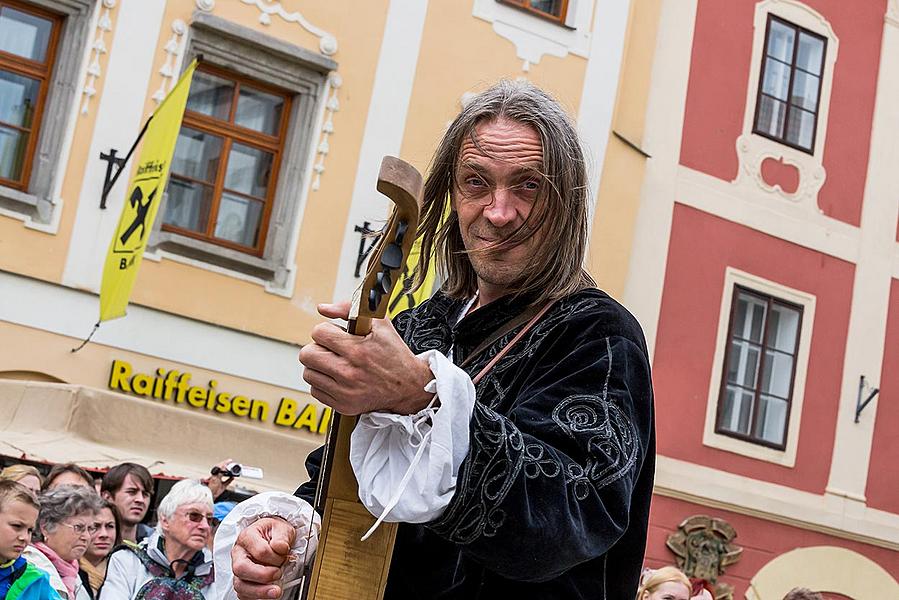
pixel 174 558
pixel 65 525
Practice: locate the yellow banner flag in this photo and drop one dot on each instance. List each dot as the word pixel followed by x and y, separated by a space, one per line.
pixel 142 202
pixel 401 301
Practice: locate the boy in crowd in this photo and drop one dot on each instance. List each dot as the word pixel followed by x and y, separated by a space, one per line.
pixel 129 487
pixel 19 580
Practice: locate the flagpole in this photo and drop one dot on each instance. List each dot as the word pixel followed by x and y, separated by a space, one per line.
pixel 115 177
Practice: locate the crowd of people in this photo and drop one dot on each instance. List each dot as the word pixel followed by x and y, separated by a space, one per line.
pixel 68 536
pixel 670 583
pixel 65 536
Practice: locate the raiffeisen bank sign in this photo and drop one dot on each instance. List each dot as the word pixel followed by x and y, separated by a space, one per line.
pixel 177 387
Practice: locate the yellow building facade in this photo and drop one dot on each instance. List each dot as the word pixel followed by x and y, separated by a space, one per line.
pixel 293 106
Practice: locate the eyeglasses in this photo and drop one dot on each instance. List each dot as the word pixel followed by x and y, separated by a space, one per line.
pixel 81 528
pixel 197 517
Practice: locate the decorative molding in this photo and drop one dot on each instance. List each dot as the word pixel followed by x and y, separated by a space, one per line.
pixel 704 549
pixel 829 514
pixel 787 456
pixel 324 147
pixel 98 48
pixel 892 14
pixel 327 42
pixel 535 37
pixel 173 49
pixel 837 570
pixel 753 149
pixel 206 5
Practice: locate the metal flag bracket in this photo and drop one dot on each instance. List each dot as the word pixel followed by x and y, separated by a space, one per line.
pixel 861 404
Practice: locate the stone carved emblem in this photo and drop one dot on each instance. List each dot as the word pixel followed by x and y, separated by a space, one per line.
pixel 704 549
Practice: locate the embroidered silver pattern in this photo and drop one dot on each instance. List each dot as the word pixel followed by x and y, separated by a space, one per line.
pixel 498 452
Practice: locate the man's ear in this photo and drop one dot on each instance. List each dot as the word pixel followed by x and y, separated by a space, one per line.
pixel 106 495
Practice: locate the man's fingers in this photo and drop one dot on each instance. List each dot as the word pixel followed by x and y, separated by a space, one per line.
pixel 248 571
pixel 338 310
pixel 253 591
pixel 259 551
pixel 283 535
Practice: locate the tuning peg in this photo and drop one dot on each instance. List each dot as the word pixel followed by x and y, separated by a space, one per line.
pixel 374 299
pixel 401 228
pixel 384 283
pixel 392 257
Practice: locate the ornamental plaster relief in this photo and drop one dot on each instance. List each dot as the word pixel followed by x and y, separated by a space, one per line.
pixel 174 50
pixel 892 16
pixel 324 146
pixel 267 8
pixel 534 37
pixel 753 149
pixel 98 48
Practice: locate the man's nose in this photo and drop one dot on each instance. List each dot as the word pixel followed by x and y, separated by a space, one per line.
pixel 502 210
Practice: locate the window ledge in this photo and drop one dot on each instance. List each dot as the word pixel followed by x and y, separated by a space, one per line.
pixel 211 253
pixel 28 207
pixel 10 195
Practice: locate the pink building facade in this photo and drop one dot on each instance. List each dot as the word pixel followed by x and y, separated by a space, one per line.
pixel 766 273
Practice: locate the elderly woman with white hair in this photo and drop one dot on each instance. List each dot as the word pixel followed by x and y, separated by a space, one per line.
pixel 174 560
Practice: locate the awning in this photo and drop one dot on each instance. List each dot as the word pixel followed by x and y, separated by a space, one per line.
pixel 96 429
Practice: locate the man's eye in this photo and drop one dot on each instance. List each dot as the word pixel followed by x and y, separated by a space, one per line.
pixel 475 182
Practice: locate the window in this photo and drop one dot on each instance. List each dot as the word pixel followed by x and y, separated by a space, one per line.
pixel 28 38
pixel 225 166
pixel 760 367
pixel 243 159
pixel 549 9
pixel 42 47
pixel 790 85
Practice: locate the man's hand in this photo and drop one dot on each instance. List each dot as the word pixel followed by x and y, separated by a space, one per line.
pixel 355 374
pixel 257 557
pixel 217 484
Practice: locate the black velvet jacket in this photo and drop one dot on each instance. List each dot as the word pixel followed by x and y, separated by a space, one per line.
pixel 552 500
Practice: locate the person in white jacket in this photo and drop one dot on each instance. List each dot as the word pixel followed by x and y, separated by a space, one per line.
pixel 175 556
pixel 64 528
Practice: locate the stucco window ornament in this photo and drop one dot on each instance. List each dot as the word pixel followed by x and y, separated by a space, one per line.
pixel 206 5
pixel 98 48
pixel 327 42
pixel 533 36
pixel 173 50
pixel 765 164
pixel 704 549
pixel 331 107
pixel 892 16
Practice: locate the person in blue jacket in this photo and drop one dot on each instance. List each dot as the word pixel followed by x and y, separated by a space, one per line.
pixel 19 580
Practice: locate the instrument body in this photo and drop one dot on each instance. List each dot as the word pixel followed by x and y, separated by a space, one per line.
pixel 346 568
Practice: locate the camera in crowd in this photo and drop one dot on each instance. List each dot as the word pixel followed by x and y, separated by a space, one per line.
pixel 234 469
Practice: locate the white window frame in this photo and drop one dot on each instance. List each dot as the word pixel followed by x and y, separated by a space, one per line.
pixel 752 148
pixel 38 206
pixel 302 73
pixel 787 456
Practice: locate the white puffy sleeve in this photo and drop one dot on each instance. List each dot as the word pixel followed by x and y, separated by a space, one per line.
pixel 294 510
pixel 407 465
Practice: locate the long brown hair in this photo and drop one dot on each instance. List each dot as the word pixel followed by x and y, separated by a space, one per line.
pixel 560 213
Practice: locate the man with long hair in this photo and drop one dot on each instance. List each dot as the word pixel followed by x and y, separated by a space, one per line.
pixel 540 484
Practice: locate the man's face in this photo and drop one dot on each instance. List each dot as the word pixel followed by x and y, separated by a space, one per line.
pixel 17 521
pixel 497 182
pixel 132 500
